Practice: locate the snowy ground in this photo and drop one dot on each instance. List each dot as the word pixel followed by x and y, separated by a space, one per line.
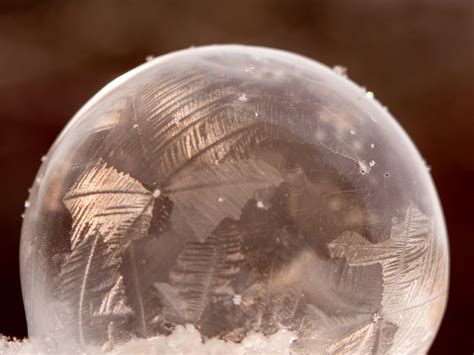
pixel 184 340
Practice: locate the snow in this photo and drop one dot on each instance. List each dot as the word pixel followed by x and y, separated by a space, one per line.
pixel 15 346
pixel 184 340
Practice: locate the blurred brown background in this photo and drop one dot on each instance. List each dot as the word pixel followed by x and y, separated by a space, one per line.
pixel 416 56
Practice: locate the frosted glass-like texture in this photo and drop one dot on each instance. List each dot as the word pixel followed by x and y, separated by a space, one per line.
pixel 242 191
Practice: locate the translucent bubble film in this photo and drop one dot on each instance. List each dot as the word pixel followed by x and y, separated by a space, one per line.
pixel 235 191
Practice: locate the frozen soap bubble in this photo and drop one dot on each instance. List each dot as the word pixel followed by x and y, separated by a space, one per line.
pixel 235 193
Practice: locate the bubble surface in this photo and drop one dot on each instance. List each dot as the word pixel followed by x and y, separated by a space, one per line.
pixel 238 191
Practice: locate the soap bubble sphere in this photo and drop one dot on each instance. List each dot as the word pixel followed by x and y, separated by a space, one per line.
pixel 236 191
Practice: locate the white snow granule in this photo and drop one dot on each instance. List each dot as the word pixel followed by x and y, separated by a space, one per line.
pixel 10 346
pixel 183 340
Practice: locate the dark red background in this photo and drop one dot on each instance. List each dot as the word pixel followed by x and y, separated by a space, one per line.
pixel 416 56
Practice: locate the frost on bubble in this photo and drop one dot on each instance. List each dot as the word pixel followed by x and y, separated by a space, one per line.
pixel 175 214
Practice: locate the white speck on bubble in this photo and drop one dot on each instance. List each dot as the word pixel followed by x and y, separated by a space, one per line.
pixel 27 204
pixel 256 114
pixel 135 126
pixel 237 299
pixel 250 69
pixel 243 97
pixel 427 167
pixel 364 168
pixel 376 317
pixel 220 199
pixel 352 132
pixel 43 158
pixel 156 193
pixel 260 204
pixel 38 180
pixel 149 58
pixel 369 94
pixel 372 163
pixel 372 146
pixel 341 70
